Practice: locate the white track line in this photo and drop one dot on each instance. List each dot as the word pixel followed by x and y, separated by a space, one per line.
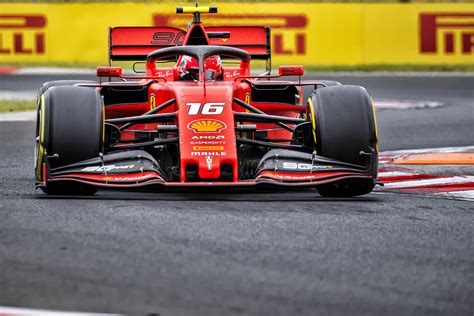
pixel 389 154
pixel 430 182
pixel 462 195
pixel 392 174
pixel 21 95
pixel 26 116
pixel 386 104
pixel 16 311
pixel 54 71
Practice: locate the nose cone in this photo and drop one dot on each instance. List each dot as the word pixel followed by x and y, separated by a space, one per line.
pixel 207 133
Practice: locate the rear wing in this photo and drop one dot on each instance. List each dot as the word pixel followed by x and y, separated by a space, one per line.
pixel 135 43
pixel 253 39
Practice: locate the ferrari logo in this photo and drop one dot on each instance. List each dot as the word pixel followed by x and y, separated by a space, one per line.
pixel 247 100
pixel 152 101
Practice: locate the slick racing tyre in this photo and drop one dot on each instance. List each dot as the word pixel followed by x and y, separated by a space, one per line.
pixel 330 83
pixel 45 86
pixel 344 125
pixel 69 129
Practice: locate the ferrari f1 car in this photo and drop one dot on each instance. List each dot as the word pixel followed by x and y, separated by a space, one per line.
pixel 159 129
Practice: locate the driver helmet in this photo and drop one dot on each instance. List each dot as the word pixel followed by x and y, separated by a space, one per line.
pixel 189 68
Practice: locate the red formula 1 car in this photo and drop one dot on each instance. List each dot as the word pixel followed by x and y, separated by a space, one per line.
pixel 204 121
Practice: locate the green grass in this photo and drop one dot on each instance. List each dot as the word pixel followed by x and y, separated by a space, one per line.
pixel 14 106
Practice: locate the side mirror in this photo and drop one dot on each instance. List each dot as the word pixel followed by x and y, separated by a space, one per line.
pixel 295 70
pixel 109 71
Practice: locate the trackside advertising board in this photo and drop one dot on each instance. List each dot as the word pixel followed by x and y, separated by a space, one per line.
pixel 307 33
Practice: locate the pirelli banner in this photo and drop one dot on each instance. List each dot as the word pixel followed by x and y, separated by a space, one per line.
pixel 307 33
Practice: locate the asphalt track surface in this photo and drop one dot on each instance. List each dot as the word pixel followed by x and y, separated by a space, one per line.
pixel 283 253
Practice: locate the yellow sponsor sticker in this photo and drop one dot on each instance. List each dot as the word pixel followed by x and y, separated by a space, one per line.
pixel 208 147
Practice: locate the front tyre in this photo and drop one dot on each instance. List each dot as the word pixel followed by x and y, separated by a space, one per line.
pixel 344 125
pixel 69 129
pixel 56 83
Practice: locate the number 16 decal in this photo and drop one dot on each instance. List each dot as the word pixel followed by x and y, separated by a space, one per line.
pixel 210 108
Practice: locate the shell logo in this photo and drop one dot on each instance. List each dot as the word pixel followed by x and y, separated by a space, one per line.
pixel 206 126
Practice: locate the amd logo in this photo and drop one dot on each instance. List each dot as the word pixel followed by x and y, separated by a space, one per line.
pixel 207 137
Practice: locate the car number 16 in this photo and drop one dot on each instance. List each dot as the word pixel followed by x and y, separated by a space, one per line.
pixel 210 108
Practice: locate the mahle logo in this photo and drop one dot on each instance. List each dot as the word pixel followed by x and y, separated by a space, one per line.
pixel 447 33
pixel 22 34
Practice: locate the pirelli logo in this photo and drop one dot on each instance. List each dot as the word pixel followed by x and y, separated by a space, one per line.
pixel 22 34
pixel 447 33
pixel 288 30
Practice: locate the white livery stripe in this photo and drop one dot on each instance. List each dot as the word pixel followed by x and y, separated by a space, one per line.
pixel 431 182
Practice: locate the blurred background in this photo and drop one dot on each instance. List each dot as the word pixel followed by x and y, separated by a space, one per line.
pixel 321 35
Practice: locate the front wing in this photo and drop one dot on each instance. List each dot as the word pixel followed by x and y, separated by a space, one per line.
pixel 138 169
